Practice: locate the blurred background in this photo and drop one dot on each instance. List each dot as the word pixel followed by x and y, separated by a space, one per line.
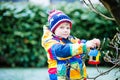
pixel 21 21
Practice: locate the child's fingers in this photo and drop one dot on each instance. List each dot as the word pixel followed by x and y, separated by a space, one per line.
pixel 90 44
pixel 96 41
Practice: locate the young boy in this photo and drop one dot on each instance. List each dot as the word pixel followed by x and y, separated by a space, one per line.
pixel 63 50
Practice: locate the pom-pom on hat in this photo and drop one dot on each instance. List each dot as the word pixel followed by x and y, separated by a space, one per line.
pixel 57 17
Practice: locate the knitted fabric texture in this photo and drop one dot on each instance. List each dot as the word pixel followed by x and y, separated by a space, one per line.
pixel 57 17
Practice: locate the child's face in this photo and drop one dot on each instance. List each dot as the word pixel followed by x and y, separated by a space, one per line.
pixel 63 30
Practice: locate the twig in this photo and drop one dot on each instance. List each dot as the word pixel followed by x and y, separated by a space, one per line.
pixel 98 69
pixel 103 73
pixel 96 11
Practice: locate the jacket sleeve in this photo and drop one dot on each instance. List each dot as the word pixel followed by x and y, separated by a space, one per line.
pixel 68 50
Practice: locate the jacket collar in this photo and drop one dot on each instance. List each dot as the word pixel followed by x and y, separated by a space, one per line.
pixel 65 40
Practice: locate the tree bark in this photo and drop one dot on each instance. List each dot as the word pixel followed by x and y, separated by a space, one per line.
pixel 114 8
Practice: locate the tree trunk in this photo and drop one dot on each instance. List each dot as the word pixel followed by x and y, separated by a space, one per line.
pixel 114 7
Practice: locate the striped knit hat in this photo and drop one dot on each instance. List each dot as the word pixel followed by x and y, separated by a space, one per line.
pixel 57 17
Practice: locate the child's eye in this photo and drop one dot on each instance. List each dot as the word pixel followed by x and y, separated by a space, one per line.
pixel 61 27
pixel 68 27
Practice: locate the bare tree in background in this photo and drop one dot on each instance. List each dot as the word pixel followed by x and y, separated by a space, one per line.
pixel 113 54
pixel 113 6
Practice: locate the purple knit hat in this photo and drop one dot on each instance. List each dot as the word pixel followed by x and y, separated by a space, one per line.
pixel 57 17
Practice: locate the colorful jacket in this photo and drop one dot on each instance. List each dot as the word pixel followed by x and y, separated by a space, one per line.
pixel 64 57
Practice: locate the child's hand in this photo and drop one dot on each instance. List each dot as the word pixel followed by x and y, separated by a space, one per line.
pixel 93 43
pixel 96 41
pixel 90 44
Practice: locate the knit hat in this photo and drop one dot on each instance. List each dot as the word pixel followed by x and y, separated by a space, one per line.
pixel 57 17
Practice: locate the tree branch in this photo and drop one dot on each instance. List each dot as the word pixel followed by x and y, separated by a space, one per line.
pixel 96 11
pixel 104 73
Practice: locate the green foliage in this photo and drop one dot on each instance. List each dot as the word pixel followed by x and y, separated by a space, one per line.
pixel 21 31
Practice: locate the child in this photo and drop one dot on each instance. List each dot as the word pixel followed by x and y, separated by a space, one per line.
pixel 63 50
